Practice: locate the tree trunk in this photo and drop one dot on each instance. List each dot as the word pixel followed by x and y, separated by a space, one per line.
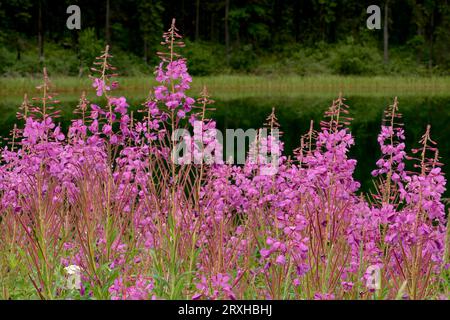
pixel 227 32
pixel 145 50
pixel 107 27
pixel 296 20
pixel 212 32
pixel 197 19
pixel 420 34
pixel 182 20
pixel 431 41
pixel 19 47
pixel 40 33
pixel 386 32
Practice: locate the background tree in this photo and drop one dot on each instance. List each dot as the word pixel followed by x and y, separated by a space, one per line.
pixel 150 25
pixel 40 27
pixel 107 23
pixel 238 32
pixel 386 32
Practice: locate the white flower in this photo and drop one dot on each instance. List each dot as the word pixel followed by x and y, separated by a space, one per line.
pixel 373 274
pixel 73 277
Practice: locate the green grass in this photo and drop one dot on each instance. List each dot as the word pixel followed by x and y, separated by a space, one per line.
pixel 232 87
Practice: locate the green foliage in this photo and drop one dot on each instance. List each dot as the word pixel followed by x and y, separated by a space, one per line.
pixel 356 59
pixel 130 64
pixel 27 64
pixel 6 59
pixel 204 58
pixel 251 21
pixel 442 46
pixel 260 34
pixel 244 59
pixel 296 60
pixel 150 24
pixel 265 37
pixel 89 47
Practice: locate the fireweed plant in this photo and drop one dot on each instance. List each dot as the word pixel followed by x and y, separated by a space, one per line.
pixel 105 211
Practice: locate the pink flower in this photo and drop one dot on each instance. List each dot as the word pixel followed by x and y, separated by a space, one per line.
pixel 100 86
pixel 281 260
pixel 120 103
pixel 107 129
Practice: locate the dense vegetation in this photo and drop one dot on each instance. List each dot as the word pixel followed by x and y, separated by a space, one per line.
pixel 257 36
pixel 294 114
pixel 110 209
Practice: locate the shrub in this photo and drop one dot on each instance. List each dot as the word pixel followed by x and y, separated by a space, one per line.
pixel 205 58
pixel 356 60
pixel 244 58
pixel 89 47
